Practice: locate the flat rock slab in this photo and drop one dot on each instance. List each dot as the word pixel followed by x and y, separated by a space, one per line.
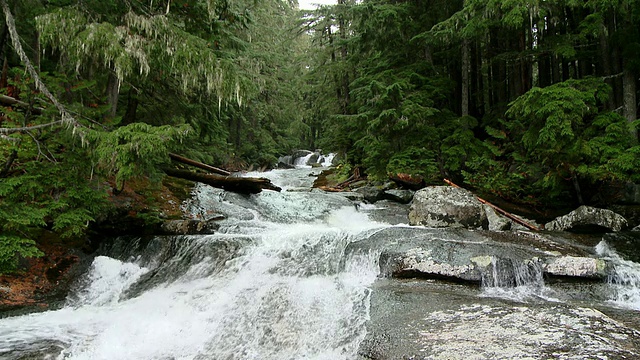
pixel 430 320
pixel 464 255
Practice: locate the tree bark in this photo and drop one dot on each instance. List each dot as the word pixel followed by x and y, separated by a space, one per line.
pixel 184 160
pixel 466 70
pixel 113 91
pixel 234 184
pixel 630 101
pixel 132 108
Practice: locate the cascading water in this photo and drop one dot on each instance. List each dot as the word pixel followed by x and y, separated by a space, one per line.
pixel 273 283
pixel 624 278
pixel 515 280
pixel 302 161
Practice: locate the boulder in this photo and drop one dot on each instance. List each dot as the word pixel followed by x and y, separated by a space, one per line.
pixel 400 196
pixel 371 193
pixel 387 212
pixel 588 216
pixel 496 222
pixel 447 206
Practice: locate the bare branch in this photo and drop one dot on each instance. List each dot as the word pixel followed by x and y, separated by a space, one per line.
pixel 28 128
pixel 10 139
pixel 51 159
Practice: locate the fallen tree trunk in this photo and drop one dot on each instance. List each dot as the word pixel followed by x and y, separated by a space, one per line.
pixel 235 184
pixel 209 168
pixel 499 210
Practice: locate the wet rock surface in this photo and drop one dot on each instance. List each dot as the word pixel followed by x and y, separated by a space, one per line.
pixel 588 216
pixel 467 256
pixel 446 206
pixel 398 195
pixel 413 319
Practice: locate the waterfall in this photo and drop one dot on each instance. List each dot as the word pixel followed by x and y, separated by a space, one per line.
pixel 514 279
pixel 302 161
pixel 273 283
pixel 623 279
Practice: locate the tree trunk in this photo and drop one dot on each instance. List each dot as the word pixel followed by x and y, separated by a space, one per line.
pixel 132 108
pixel 466 70
pixel 605 64
pixel 234 184
pixel 113 90
pixel 630 101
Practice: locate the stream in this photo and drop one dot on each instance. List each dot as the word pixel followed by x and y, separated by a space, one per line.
pixel 280 279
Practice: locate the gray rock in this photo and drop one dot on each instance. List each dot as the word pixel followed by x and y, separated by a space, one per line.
pixel 446 206
pixel 401 196
pixel 387 212
pixel 300 154
pixel 496 222
pixel 572 266
pixel 475 256
pixel 412 319
pixel 587 215
pixel 351 195
pixel 188 227
pixel 371 193
pixel 313 159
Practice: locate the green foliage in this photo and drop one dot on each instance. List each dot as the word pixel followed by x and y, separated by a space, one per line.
pixel 12 248
pixel 553 135
pixel 136 149
pixel 414 161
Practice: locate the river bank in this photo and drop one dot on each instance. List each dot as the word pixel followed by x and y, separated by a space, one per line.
pixel 42 283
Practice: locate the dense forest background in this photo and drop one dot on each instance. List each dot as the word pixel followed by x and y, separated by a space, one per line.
pixel 532 101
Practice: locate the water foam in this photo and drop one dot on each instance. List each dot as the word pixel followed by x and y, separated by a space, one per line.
pixel 289 294
pixel 623 279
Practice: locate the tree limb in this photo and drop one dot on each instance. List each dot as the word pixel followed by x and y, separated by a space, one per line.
pixel 8 100
pixel 28 128
pixel 67 119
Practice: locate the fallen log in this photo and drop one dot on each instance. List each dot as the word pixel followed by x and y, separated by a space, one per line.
pixel 234 184
pixel 355 177
pixel 499 210
pixel 209 168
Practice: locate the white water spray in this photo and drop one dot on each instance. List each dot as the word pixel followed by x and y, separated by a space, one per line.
pixel 264 287
pixel 624 278
pixel 515 280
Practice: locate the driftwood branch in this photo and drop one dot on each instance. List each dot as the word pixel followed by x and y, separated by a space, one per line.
pixel 501 211
pixel 235 184
pixel 209 168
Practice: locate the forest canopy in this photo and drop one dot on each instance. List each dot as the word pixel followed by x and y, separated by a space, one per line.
pixel 535 102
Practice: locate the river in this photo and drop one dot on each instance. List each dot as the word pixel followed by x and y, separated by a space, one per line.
pixel 278 280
